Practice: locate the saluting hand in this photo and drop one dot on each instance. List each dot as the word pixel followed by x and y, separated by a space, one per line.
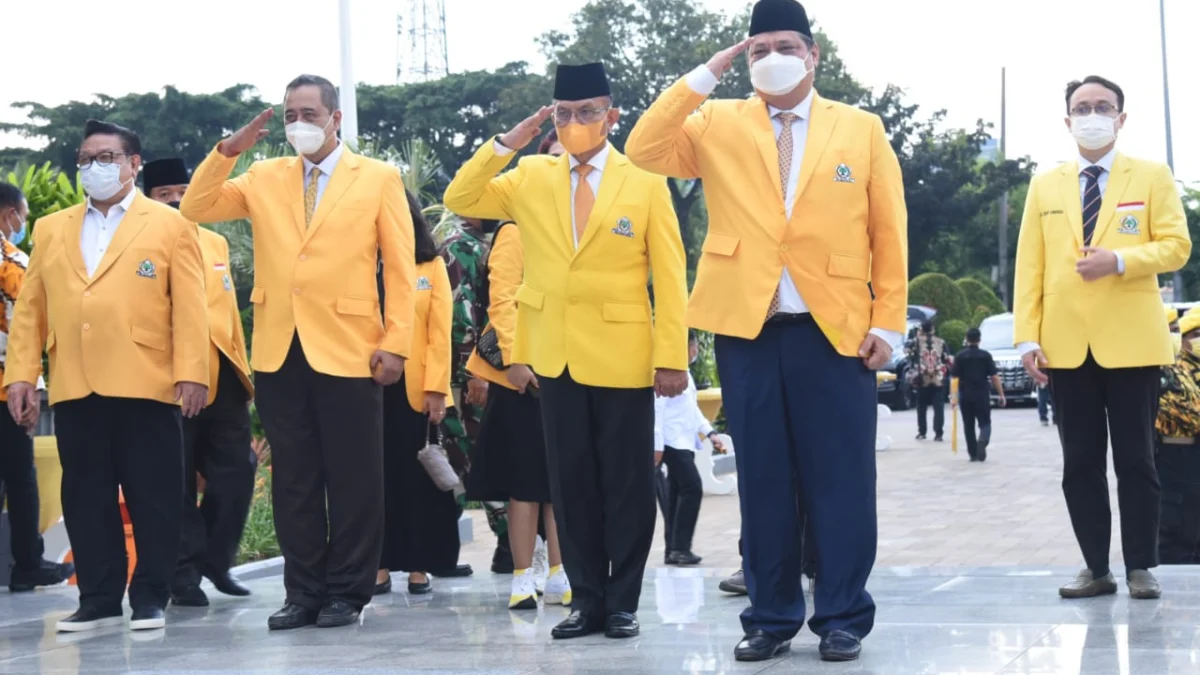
pixel 245 138
pixel 669 383
pixel 529 129
pixel 192 397
pixel 723 59
pixel 386 368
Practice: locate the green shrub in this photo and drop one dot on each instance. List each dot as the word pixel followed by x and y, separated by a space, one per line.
pixel 953 332
pixel 981 313
pixel 941 293
pixel 258 539
pixel 47 190
pixel 980 295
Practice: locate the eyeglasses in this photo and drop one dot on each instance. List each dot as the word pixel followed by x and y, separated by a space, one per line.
pixel 563 116
pixel 103 159
pixel 1085 109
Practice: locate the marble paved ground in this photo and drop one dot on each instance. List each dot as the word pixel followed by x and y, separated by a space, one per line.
pixel 969 621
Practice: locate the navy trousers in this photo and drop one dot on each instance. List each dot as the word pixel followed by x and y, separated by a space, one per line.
pixel 802 418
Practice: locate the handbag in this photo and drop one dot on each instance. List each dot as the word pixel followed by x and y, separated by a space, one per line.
pixel 436 461
pixel 488 346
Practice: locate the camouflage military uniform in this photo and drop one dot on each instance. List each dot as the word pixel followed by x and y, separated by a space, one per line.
pixel 465 251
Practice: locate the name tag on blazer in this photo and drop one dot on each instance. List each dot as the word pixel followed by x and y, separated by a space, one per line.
pixel 423 284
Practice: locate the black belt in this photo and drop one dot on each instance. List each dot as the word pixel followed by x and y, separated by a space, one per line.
pixel 790 318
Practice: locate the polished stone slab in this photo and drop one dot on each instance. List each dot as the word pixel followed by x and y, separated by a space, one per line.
pixel 965 621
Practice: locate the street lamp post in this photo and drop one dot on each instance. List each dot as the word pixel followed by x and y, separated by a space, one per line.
pixel 1162 23
pixel 346 94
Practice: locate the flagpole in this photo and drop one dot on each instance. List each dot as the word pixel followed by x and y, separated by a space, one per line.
pixel 1162 25
pixel 347 98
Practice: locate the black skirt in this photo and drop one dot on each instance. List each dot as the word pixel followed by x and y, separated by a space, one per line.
pixel 509 460
pixel 420 521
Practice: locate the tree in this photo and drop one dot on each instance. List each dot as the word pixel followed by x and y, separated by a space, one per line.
pixel 1191 271
pixel 939 292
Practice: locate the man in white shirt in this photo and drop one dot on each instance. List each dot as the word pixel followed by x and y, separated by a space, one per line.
pixel 678 425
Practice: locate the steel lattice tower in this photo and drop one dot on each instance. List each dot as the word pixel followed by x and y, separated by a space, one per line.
pixel 421 53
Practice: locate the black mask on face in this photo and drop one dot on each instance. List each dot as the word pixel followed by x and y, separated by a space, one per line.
pixel 174 205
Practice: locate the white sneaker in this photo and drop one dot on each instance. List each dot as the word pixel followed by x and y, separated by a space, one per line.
pixel 558 589
pixel 524 591
pixel 541 565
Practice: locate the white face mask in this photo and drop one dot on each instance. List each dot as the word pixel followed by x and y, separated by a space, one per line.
pixel 101 182
pixel 1094 131
pixel 776 74
pixel 306 138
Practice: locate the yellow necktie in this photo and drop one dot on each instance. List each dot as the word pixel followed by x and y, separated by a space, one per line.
pixel 310 195
pixel 784 144
pixel 585 199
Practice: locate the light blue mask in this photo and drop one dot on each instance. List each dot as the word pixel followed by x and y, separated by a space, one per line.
pixel 19 235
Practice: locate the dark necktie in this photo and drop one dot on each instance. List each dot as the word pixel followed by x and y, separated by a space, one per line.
pixel 1091 202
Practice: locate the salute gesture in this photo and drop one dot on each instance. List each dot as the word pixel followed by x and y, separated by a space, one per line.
pixel 247 136
pixel 723 59
pixel 524 133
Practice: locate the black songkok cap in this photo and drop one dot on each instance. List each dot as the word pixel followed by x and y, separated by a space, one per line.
pixel 579 83
pixel 769 16
pixel 160 172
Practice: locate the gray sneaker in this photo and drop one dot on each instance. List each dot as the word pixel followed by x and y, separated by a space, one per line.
pixel 1086 586
pixel 1143 585
pixel 735 584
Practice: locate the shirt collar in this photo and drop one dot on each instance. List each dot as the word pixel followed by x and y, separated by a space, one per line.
pixel 597 163
pixel 803 110
pixel 124 204
pixel 326 166
pixel 1105 162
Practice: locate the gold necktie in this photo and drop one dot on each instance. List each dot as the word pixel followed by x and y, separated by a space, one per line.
pixel 784 144
pixel 585 199
pixel 310 195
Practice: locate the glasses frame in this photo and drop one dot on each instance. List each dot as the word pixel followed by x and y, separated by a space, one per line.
pixel 83 165
pixel 1085 109
pixel 595 115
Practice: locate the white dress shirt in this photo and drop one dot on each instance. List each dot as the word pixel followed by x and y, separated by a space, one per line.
pixel 326 166
pixel 1105 163
pixel 597 163
pixel 702 81
pixel 98 230
pixel 678 420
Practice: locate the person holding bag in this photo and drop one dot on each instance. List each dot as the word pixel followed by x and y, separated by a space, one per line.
pixel 420 518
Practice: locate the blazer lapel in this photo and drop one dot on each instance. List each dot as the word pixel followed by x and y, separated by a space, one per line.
pixel 294 185
pixel 73 241
pixel 561 186
pixel 344 175
pixel 615 171
pixel 758 119
pixel 131 226
pixel 820 129
pixel 1118 182
pixel 1072 201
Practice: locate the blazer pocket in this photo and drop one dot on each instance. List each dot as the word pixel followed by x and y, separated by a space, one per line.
pixel 625 313
pixel 149 338
pixel 527 295
pixel 257 295
pixel 720 244
pixel 849 266
pixel 355 306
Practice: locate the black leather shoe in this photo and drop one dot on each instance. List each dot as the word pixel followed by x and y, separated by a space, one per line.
pixel 460 571
pixel 189 596
pixel 383 588
pixel 839 645
pixel 227 584
pixel 292 616
pixel 147 618
pixel 336 613
pixel 622 625
pixel 502 560
pixel 89 618
pixel 45 574
pixel 735 583
pixel 577 625
pixel 759 646
pixel 683 558
pixel 420 587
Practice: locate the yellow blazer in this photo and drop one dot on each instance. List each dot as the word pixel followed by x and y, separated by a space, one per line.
pixel 428 365
pixel 506 269
pixel 135 329
pixel 1120 317
pixel 587 310
pixel 318 281
pixel 848 227
pixel 224 320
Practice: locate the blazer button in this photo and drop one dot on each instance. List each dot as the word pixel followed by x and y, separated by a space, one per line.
pixel 295 291
pixel 783 248
pixel 87 326
pixel 87 294
pixel 303 258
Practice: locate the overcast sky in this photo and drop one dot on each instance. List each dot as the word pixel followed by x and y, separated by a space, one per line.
pixel 946 53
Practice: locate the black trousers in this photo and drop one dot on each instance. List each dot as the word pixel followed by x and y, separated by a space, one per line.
pixel 600 447
pixel 976 408
pixel 935 397
pixel 1179 534
pixel 1094 402
pixel 326 436
pixel 217 444
pixel 682 493
pixel 136 445
pixel 19 477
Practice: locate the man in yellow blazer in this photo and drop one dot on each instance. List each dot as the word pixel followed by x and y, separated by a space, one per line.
pixel 1096 234
pixel 803 278
pixel 114 293
pixel 216 443
pixel 593 228
pixel 321 351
